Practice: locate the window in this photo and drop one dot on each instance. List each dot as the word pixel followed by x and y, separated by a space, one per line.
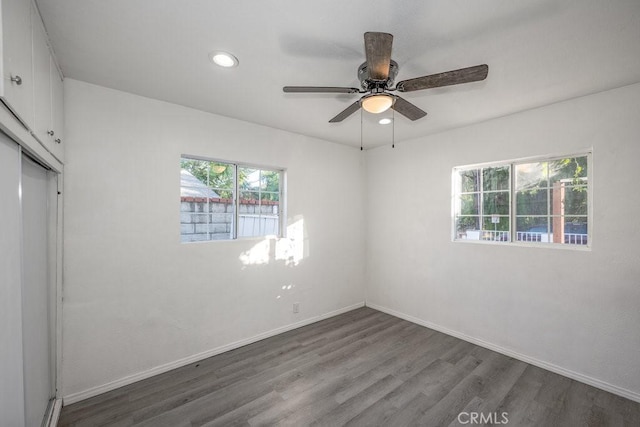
pixel 223 200
pixel 539 201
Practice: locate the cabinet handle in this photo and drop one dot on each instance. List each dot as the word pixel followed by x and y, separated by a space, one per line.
pixel 58 140
pixel 50 132
pixel 17 80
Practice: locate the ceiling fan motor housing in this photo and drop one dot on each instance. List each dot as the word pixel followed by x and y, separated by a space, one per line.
pixel 370 84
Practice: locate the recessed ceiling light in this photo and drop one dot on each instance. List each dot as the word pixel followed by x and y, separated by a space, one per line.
pixel 223 59
pixel 385 121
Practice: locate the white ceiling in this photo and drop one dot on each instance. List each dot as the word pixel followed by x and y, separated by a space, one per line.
pixel 538 52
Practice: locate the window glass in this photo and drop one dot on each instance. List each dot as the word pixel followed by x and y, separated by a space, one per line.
pixel 495 178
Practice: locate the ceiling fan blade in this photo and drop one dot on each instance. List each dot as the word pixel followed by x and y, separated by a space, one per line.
pixel 346 112
pixel 377 48
pixel 319 89
pixel 407 109
pixel 448 78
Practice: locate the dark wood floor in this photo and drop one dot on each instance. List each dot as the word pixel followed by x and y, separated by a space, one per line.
pixel 362 368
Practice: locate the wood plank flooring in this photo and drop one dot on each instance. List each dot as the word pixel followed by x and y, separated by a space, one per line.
pixel 362 368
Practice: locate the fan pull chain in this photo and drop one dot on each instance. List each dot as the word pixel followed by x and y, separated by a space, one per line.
pixel 361 130
pixel 393 128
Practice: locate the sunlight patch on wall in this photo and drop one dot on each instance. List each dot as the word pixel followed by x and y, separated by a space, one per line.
pixel 289 250
pixel 286 288
pixel 259 254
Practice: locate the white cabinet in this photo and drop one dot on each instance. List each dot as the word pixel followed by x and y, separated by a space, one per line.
pixel 31 84
pixel 41 120
pixel 16 86
pixel 47 122
pixel 57 110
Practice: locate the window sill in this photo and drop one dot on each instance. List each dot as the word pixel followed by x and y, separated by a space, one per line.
pixel 579 248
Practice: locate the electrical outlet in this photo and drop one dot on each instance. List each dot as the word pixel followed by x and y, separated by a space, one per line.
pixel 296 307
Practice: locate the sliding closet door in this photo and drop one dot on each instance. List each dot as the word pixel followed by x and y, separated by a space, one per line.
pixel 37 292
pixel 11 379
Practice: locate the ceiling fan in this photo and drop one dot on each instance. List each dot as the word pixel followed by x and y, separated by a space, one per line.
pixel 377 77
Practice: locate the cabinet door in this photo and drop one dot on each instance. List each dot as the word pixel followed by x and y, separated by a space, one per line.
pixel 57 111
pixel 41 124
pixel 16 88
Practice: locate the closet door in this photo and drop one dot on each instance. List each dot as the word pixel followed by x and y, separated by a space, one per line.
pixel 11 379
pixel 37 292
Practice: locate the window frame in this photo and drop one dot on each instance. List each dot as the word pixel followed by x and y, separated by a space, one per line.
pixel 282 211
pixel 513 213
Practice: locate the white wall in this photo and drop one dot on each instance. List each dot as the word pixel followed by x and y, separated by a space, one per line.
pixel 573 311
pixel 136 300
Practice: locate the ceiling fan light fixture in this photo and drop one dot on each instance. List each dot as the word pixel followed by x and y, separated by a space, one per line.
pixel 377 103
pixel 223 59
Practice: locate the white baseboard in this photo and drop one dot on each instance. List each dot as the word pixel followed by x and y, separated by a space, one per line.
pixel 54 414
pixel 94 391
pixel 628 394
